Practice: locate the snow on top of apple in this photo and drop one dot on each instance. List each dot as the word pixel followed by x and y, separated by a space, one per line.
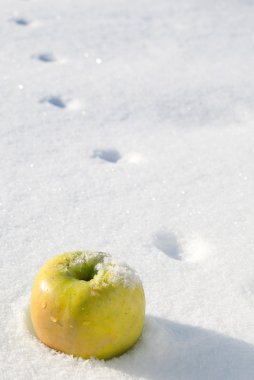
pixel 103 270
pixel 109 272
pixel 87 258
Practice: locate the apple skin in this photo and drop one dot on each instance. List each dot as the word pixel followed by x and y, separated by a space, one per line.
pixel 84 311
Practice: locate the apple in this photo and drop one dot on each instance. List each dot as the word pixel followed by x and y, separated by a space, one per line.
pixel 84 304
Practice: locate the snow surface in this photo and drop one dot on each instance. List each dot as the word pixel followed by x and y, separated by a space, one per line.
pixel 127 127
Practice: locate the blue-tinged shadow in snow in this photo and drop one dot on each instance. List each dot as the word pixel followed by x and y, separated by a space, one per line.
pixel 173 351
pixel 169 350
pixel 45 57
pixel 55 101
pixel 21 21
pixel 167 243
pixel 109 155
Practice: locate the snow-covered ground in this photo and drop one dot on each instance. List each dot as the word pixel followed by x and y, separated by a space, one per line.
pixel 127 127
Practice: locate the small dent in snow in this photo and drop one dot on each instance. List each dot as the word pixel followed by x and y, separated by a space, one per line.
pixel 21 21
pixel 167 243
pixel 59 102
pixel 45 57
pixel 109 155
pixel 55 101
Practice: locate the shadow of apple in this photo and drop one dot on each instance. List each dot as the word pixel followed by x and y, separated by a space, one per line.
pixel 169 350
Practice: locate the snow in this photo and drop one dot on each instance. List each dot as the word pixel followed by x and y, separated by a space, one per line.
pixel 111 272
pixel 99 268
pixel 127 127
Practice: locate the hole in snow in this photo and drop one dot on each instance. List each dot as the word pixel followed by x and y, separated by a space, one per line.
pixel 21 21
pixel 109 155
pixel 57 102
pixel 45 57
pixel 167 243
pixel 54 101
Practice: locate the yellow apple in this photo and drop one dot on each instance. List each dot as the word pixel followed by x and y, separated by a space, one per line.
pixel 85 305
